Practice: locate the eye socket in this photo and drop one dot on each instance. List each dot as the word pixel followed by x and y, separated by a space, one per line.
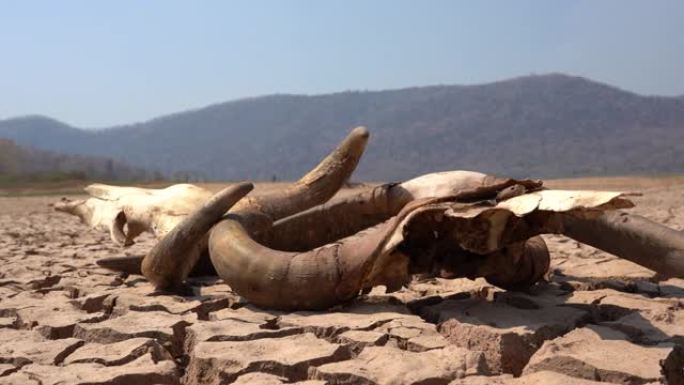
pixel 119 230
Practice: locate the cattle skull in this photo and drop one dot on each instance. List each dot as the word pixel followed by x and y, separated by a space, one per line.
pixel 274 249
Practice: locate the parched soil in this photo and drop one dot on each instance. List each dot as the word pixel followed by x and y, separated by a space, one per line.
pixel 598 319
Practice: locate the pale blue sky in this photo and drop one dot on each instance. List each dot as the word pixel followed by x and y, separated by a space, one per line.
pixel 99 63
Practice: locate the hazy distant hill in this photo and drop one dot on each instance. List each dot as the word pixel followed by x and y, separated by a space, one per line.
pixel 19 163
pixel 550 125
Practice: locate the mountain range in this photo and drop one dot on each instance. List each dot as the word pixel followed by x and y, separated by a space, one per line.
pixel 551 125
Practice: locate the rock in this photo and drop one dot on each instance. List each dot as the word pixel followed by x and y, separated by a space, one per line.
pixel 270 379
pixel 388 365
pixel 605 303
pixel 586 266
pixel 21 347
pixel 6 292
pixel 632 302
pixel 647 287
pixel 424 343
pixel 6 369
pixel 537 378
pixel 168 329
pixel 42 282
pixel 144 298
pixel 449 287
pixel 553 378
pixel 643 319
pixel 89 282
pixel 413 334
pixel 599 353
pixel 504 379
pixel 139 372
pixel 356 317
pixel 356 340
pixel 649 328
pixel 231 330
pixel 259 378
pixel 539 296
pixel 23 300
pixel 54 316
pixel 19 378
pixel 290 357
pixel 431 291
pixel 119 353
pixel 583 267
pixel 246 314
pixel 215 287
pixel 95 302
pixel 673 287
pixel 507 335
pixel 8 322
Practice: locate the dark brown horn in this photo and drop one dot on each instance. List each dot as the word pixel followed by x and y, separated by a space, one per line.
pixel 172 258
pixel 314 188
pixel 631 237
pixel 129 264
pixel 517 266
pixel 327 257
pixel 314 279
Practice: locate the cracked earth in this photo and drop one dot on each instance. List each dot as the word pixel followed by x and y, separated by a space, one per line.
pixel 64 320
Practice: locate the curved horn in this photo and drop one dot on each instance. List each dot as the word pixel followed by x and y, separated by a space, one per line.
pixel 315 279
pixel 166 266
pixel 517 266
pixel 631 237
pixel 342 217
pixel 172 258
pixel 129 264
pixel 330 273
pixel 314 188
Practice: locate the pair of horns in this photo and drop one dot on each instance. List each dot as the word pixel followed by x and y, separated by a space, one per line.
pixel 167 264
pixel 289 250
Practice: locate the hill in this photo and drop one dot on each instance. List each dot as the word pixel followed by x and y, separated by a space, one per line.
pixel 541 126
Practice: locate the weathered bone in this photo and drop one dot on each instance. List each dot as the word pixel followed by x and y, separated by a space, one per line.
pixel 341 269
pixel 342 217
pixel 126 212
pixel 172 258
pixel 632 237
pixel 314 279
pixel 276 253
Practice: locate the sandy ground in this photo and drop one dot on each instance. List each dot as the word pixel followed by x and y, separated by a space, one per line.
pixel 63 320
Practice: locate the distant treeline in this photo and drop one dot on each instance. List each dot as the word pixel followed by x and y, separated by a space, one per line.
pixel 20 164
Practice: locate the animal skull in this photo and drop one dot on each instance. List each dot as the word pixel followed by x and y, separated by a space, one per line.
pixel 273 249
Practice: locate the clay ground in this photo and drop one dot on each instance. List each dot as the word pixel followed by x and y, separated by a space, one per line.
pixel 63 320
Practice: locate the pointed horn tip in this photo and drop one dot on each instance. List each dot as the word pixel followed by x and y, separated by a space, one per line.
pixel 361 132
pixel 235 191
pixel 243 187
pixel 127 264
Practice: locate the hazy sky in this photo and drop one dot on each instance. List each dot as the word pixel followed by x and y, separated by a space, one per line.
pixel 99 63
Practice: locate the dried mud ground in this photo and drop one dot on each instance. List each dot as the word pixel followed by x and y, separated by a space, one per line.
pixel 63 320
